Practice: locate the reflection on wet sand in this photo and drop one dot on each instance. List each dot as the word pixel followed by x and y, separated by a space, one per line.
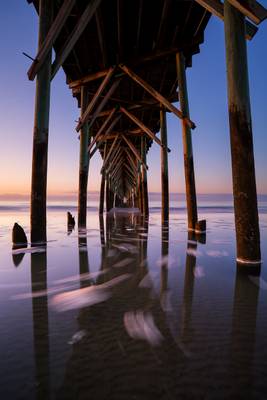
pixel 127 350
pixel 40 324
pixel 243 334
pixel 138 335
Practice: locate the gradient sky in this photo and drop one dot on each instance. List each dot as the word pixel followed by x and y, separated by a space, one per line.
pixel 208 109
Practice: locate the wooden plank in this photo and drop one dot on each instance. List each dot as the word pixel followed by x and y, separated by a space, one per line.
pixel 103 126
pixel 215 7
pixel 96 96
pixel 251 9
pixel 74 36
pixel 142 126
pixel 134 150
pixel 154 93
pixel 101 35
pixel 51 37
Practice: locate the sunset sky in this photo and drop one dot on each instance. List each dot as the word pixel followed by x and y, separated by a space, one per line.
pixel 208 109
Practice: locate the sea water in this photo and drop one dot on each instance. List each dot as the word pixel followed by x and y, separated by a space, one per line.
pixel 131 309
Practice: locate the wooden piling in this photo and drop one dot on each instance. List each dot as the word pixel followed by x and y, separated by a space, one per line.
pixel 102 194
pixel 40 132
pixel 107 193
pixel 144 177
pixel 83 164
pixel 243 170
pixel 164 168
pixel 191 199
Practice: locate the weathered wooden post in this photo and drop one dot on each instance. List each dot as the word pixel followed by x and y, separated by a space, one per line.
pixel 102 194
pixel 164 168
pixel 107 193
pixel 84 163
pixel 144 177
pixel 190 187
pixel 40 131
pixel 243 170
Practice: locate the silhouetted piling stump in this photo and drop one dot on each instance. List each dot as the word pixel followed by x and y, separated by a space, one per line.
pixel 19 238
pixel 71 222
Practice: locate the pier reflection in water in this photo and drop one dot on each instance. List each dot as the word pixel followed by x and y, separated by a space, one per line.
pixel 154 316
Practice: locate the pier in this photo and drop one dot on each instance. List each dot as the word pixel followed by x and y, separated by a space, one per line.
pixel 125 63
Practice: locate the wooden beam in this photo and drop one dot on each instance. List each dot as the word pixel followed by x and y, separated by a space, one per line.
pixel 96 96
pixel 134 150
pixel 101 34
pixel 88 78
pixel 251 9
pixel 51 37
pixel 155 55
pixel 109 152
pixel 101 105
pixel 131 159
pixel 103 126
pixel 106 134
pixel 142 126
pixel 74 36
pixel 154 93
pixel 215 7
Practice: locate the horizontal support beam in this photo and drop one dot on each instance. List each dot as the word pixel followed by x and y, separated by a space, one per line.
pixel 74 36
pixel 251 9
pixel 154 93
pixel 216 8
pixel 155 55
pixel 51 37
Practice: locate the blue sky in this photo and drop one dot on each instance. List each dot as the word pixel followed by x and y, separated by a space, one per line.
pixel 208 108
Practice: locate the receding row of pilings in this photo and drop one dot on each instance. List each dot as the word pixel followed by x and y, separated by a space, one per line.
pixel 244 185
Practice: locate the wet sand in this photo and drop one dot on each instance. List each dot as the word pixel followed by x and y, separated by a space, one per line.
pixel 128 309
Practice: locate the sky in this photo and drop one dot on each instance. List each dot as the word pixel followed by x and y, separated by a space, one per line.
pixel 207 91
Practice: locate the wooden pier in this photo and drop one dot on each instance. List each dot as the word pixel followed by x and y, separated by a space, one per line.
pixel 125 63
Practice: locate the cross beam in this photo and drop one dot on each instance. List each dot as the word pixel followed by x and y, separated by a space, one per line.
pixel 154 93
pixel 215 7
pixel 142 126
pixel 96 96
pixel 134 150
pixel 103 126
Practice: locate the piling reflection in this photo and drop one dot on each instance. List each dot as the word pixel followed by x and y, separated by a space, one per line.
pixel 244 333
pixel 126 341
pixel 40 324
pixel 83 260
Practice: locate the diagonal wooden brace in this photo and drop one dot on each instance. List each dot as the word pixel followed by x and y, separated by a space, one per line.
pixel 154 93
pixel 142 126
